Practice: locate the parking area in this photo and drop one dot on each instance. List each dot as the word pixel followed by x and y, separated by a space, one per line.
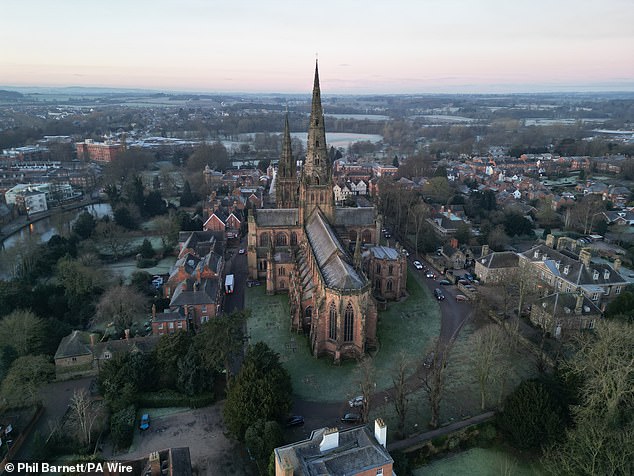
pixel 202 430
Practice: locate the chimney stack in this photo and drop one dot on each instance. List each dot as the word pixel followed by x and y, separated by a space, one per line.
pixel 92 340
pixel 579 303
pixel 155 463
pixel 330 440
pixel 127 334
pixel 617 265
pixel 550 240
pixel 380 432
pixel 453 243
pixel 153 311
pixel 485 251
pixel 585 256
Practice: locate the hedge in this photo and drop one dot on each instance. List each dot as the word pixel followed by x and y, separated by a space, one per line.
pixel 170 398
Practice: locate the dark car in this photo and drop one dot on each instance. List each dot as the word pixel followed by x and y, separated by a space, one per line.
pixel 439 294
pixel 351 418
pixel 295 420
pixel 444 282
pixel 253 282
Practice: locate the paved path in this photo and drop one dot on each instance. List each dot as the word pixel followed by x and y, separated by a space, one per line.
pixel 423 437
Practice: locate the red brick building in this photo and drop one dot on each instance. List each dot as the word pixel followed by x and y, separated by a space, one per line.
pixel 98 151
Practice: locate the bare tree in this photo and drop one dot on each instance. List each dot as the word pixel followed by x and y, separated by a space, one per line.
pixel 85 413
pixel 434 378
pixel 113 237
pixel 400 373
pixel 121 304
pixel 367 383
pixel 421 213
pixel 489 342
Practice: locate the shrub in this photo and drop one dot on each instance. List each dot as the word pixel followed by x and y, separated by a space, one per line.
pixel 146 263
pixel 122 427
pixel 170 398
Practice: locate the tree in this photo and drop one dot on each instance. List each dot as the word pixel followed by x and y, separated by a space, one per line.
pixel 395 161
pixel 214 155
pixel 85 412
pixel 463 233
pixel 517 225
pixel 261 438
pixel 261 391
pixel 84 225
pixel 531 417
pixel 487 358
pixel 22 384
pixel 113 237
pixel 154 204
pixel 434 378
pixel 171 348
pixel 124 218
pixel 122 305
pixel 366 380
pixel 497 239
pixel 221 341
pixel 400 372
pixel 193 377
pixel 146 251
pixel 622 307
pixel 23 331
pixel 187 198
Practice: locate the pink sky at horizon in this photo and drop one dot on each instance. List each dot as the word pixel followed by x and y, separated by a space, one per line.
pixel 248 46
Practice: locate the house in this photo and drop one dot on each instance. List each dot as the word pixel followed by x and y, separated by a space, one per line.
pixel 81 353
pixel 456 257
pixel 355 451
pixel 167 462
pixel 564 314
pixel 169 322
pixel 623 217
pixel 563 271
pixel 496 267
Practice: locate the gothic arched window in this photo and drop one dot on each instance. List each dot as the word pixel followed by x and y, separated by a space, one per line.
pixel 348 324
pixel 293 238
pixel 366 236
pixel 332 322
pixel 280 239
pixel 388 286
pixel 264 239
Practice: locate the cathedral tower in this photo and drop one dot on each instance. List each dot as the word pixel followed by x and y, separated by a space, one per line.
pixel 316 183
pixel 286 188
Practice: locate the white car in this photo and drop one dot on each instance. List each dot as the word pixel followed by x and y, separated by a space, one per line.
pixel 356 401
pixel 418 265
pixel 241 251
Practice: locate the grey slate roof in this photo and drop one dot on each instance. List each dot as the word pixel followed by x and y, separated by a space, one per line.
pixel 357 451
pixel 383 252
pixel 206 294
pixel 359 216
pixel 277 217
pixel 331 257
pixel 505 259
pixel 562 305
pixel 74 344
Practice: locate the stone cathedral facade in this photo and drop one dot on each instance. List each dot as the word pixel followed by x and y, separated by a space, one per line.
pixel 303 247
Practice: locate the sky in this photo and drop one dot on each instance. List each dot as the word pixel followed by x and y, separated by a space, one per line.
pixel 363 46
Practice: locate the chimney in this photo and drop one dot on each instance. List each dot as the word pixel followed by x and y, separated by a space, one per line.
pixel 330 440
pixel 380 432
pixel 550 240
pixel 287 467
pixel 617 265
pixel 155 463
pixel 92 340
pixel 579 303
pixel 453 243
pixel 127 334
pixel 485 251
pixel 585 256
pixel 153 311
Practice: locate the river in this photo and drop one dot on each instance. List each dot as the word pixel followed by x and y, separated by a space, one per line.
pixel 44 229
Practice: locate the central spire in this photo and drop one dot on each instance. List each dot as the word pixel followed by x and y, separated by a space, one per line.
pixel 316 167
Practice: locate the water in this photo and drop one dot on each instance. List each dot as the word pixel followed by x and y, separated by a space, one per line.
pixel 44 229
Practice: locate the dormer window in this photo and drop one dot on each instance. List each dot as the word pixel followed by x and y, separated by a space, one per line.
pixel 557 264
pixel 566 269
pixel 595 275
pixel 536 254
pixel 606 274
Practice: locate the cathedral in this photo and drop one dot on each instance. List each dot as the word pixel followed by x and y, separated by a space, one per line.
pixel 303 247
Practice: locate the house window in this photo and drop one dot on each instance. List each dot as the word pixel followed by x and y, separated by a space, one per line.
pixel 606 291
pixel 203 309
pixel 595 296
pixel 281 272
pixel 390 270
pixel 179 324
pixel 617 290
pixel 74 359
pixel 348 324
pixel 170 325
pixel 332 322
pixel 107 355
pixel 379 471
pixel 161 325
pixel 559 285
pixel 591 324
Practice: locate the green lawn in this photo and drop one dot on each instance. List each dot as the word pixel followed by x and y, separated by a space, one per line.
pixel 407 326
pixel 125 267
pixel 480 462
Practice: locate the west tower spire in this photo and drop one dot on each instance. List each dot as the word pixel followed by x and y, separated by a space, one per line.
pixel 286 188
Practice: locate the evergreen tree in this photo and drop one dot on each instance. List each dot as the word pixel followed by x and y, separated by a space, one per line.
pixel 187 198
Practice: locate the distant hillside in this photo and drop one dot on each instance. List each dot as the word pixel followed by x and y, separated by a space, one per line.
pixel 10 95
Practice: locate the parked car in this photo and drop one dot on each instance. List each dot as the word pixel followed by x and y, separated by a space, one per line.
pixel 253 282
pixel 444 282
pixel 351 418
pixel 418 265
pixel 294 420
pixel 241 251
pixel 463 281
pixel 461 298
pixel 145 422
pixel 431 275
pixel 356 401
pixel 439 294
